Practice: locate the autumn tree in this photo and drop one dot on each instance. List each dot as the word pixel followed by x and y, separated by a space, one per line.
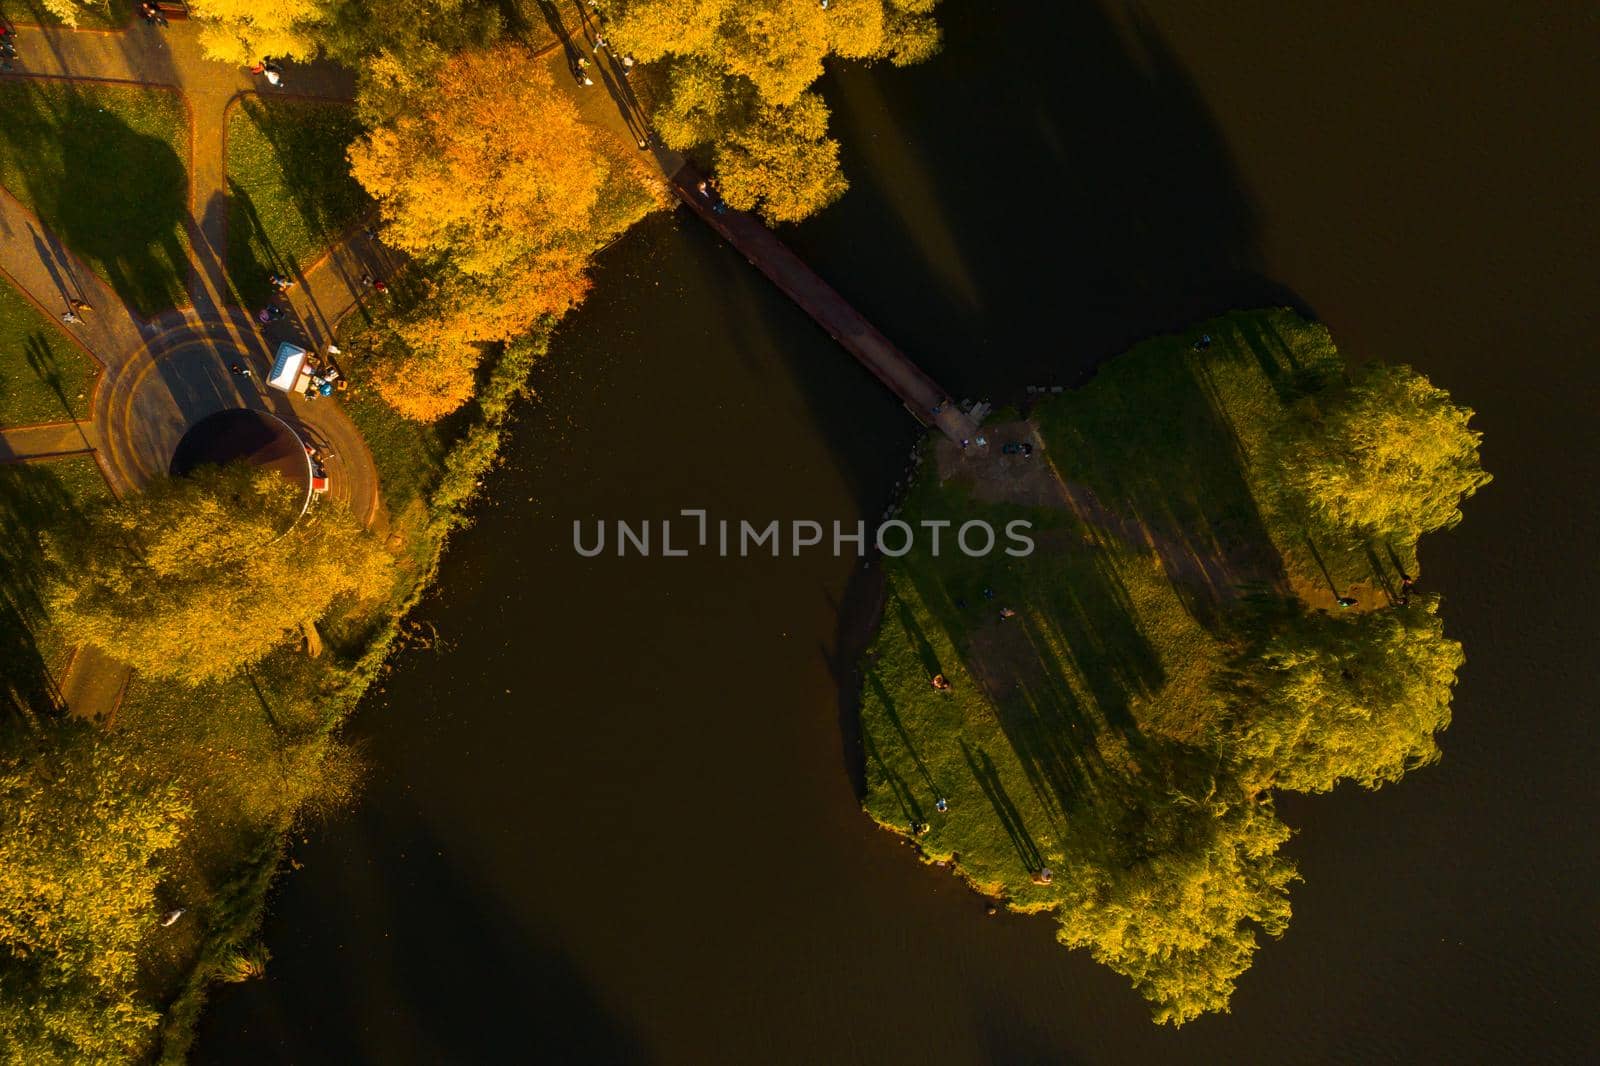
pixel 1392 455
pixel 242 33
pixel 396 47
pixel 1356 697
pixel 196 576
pixel 502 192
pixel 737 75
pixel 1176 892
pixel 784 164
pixel 81 830
pixel 70 11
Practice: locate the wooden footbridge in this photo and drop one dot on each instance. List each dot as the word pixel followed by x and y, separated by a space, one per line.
pixel 926 401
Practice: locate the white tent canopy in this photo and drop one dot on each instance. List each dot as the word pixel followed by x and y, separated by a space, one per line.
pixel 288 368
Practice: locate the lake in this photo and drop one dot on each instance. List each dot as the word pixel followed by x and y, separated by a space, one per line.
pixel 611 815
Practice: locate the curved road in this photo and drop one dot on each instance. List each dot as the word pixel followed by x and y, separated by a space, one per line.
pixel 159 376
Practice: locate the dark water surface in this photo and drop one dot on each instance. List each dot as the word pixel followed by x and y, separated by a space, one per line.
pixel 612 820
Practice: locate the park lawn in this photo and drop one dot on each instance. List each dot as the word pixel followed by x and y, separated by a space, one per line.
pixel 44 377
pixel 1101 652
pixel 291 193
pixel 1209 414
pixel 106 170
pixel 106 15
pixel 1119 638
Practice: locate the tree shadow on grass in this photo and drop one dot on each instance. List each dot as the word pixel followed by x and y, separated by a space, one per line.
pixel 1178 477
pixel 115 196
pixel 1065 669
pixel 311 200
pixel 42 361
pixel 988 778
pixel 252 255
pixel 886 701
pixel 31 500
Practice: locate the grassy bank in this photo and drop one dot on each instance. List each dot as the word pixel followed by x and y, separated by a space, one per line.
pixel 43 376
pixel 106 170
pixel 1085 758
pixel 290 190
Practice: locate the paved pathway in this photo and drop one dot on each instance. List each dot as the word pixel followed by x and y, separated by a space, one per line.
pixel 162 375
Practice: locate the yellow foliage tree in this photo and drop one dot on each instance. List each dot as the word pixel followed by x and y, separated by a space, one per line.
pixel 737 77
pixel 238 31
pixel 495 183
pixel 1344 698
pixel 783 164
pixel 68 11
pixel 1393 456
pixel 429 381
pixel 1179 916
pixel 82 828
pixel 196 577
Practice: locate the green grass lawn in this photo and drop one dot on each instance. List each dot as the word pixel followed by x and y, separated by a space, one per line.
pixel 105 15
pixel 291 190
pixel 1123 614
pixel 106 170
pixel 43 376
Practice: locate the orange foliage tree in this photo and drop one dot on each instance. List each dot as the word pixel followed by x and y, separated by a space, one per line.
pixel 497 187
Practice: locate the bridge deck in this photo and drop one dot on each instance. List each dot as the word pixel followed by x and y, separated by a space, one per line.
pixel 926 401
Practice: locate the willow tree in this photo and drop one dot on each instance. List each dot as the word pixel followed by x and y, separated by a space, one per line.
pixel 1357 697
pixel 195 577
pixel 82 830
pixel 1175 894
pixel 500 189
pixel 736 78
pixel 1390 456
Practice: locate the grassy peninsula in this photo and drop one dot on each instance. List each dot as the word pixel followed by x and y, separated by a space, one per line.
pixel 1220 605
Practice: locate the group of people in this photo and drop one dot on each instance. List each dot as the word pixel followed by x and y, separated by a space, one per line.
pixel 8 44
pixel 580 62
pixel 151 13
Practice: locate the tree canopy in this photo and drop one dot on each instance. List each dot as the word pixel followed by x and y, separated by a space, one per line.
pixel 241 32
pixel 737 75
pixel 78 882
pixel 783 164
pixel 195 577
pixel 502 192
pixel 1174 887
pixel 1354 697
pixel 1390 456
